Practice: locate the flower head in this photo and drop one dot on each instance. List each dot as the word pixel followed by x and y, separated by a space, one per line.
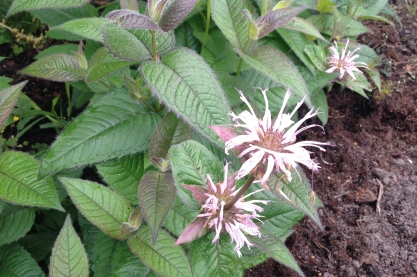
pixel 266 145
pixel 345 62
pixel 237 221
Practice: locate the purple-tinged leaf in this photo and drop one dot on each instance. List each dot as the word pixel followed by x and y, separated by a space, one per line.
pixel 156 195
pixel 134 222
pixel 198 192
pixel 193 231
pixel 173 14
pixel 273 19
pixel 171 131
pixel 155 8
pixel 129 5
pixel 132 20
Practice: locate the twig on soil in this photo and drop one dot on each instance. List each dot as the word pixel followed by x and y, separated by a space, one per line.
pixel 321 157
pixel 381 191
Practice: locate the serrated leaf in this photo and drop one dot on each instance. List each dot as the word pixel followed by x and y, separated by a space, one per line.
pixel 171 131
pixel 103 63
pixel 317 56
pixel 348 26
pixel 56 67
pixel 174 13
pixel 123 175
pixel 164 41
pixel 16 261
pixel 184 37
pixel 24 5
pixel 275 18
pixel 15 223
pixel 19 183
pixel 278 67
pixel 8 98
pixel 68 256
pixel 156 195
pixel 129 5
pixel 95 135
pixel 100 205
pixel 86 28
pixel 297 42
pixel 179 216
pixel 276 249
pixel 161 257
pixel 131 19
pixel 53 17
pixel 188 87
pixel 303 26
pixel 105 248
pixel 126 263
pixel 191 162
pixel 124 45
pixel 359 85
pixel 228 16
pixel 279 217
pixel 298 191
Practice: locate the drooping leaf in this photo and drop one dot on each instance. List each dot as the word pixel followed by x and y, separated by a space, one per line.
pixel 24 5
pixel 124 45
pixel 191 162
pixel 161 257
pixel 15 223
pixel 303 26
pixel 299 193
pixel 100 205
pixel 278 67
pixel 56 67
pixel 8 98
pixel 276 249
pixel 85 28
pixel 171 131
pixel 103 63
pixel 275 18
pixel 156 195
pixel 188 87
pixel 345 26
pixel 19 183
pixel 91 138
pixel 228 16
pixel 16 261
pixel 123 175
pixel 131 19
pixel 174 13
pixel 68 256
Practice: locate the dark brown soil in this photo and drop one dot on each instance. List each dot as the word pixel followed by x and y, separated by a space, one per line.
pixel 375 157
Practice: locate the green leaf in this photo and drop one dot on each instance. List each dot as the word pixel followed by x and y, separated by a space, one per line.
pixel 191 162
pixel 16 261
pixel 174 12
pixel 278 67
pixel 39 245
pixel 24 5
pixel 325 6
pixel 15 222
pixel 68 256
pixel 8 98
pixel 85 28
pixel 114 258
pixel 164 41
pixel 100 205
pixel 91 138
pixel 279 217
pixel 103 63
pixel 19 183
pixel 161 257
pixel 124 45
pixel 359 85
pixel 188 87
pixel 297 42
pixel 276 249
pixel 128 19
pixel 170 131
pixel 156 195
pixel 228 16
pixel 68 48
pixel 184 37
pixel 53 17
pixel 179 216
pixel 303 26
pixel 349 27
pixel 317 56
pixel 298 192
pixel 123 175
pixel 56 67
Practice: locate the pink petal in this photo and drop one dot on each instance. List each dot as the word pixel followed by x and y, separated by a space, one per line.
pixel 198 192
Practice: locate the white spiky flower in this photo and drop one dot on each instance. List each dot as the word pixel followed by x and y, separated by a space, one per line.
pixel 345 62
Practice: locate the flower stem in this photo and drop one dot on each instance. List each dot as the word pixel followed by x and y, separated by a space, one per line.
pixel 242 191
pixel 203 44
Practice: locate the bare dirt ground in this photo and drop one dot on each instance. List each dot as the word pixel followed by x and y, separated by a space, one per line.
pixel 368 181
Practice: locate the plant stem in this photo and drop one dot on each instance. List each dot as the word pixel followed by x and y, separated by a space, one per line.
pixel 239 66
pixel 357 7
pixel 242 191
pixel 207 26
